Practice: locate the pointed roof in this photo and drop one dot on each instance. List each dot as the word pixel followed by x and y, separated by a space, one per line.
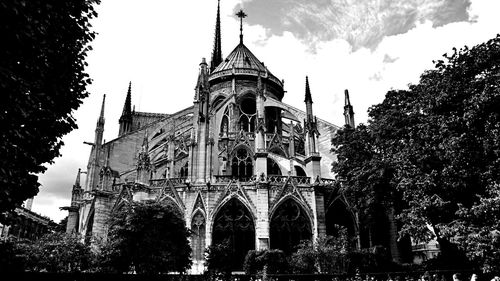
pixel 347 101
pixel 241 57
pixel 308 91
pixel 127 107
pixel 77 181
pixel 217 51
pixel 100 121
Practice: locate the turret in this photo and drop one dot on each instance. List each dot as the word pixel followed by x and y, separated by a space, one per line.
pixel 199 167
pixel 99 130
pixel 313 167
pixel 95 156
pixel 144 162
pixel 308 101
pixel 126 118
pixel 73 210
pixel 260 129
pixel 348 111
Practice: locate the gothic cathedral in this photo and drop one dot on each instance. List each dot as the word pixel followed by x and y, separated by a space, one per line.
pixel 238 163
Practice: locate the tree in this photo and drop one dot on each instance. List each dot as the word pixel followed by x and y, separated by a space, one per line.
pixel 441 137
pixel 366 181
pixel 147 237
pixel 56 252
pixel 333 255
pixel 42 80
pixel 219 259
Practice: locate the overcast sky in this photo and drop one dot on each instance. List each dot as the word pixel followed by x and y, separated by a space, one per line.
pixel 367 46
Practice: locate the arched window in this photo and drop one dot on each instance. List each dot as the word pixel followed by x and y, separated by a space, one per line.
pixel 184 171
pixel 242 165
pixel 198 236
pixel 273 168
pixel 234 225
pixel 337 215
pixel 289 226
pixel 224 126
pixel 247 113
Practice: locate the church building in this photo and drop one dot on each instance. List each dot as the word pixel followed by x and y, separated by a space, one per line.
pixel 238 163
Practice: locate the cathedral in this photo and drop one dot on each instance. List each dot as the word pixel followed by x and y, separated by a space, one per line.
pixel 238 163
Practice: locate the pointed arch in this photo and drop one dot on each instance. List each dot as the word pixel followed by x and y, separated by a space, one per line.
pixel 234 224
pixel 242 162
pixel 337 214
pixel 290 224
pixel 198 231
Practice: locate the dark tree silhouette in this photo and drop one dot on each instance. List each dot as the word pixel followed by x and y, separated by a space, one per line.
pixel 42 80
pixel 151 237
pixel 441 140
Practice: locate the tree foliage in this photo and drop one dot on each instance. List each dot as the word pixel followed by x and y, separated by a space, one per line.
pixel 334 255
pixel 56 252
pixel 440 140
pixel 219 259
pixel 42 80
pixel 266 262
pixel 148 238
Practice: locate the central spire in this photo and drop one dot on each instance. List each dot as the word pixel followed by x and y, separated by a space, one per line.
pixel 241 15
pixel 217 51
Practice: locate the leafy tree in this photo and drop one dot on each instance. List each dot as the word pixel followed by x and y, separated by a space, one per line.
pixel 147 237
pixel 366 180
pixel 42 80
pixel 441 138
pixel 219 259
pixel 56 252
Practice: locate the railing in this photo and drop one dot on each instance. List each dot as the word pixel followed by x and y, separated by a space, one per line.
pixel 276 178
pixel 327 181
pixel 158 182
pixel 178 181
pixel 301 180
pixel 223 178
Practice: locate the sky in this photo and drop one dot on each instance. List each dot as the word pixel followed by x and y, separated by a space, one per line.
pixel 367 47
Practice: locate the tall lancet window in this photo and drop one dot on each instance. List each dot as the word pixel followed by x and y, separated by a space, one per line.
pixel 247 113
pixel 198 236
pixel 242 165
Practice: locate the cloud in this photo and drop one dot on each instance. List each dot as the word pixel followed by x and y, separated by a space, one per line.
pixel 361 23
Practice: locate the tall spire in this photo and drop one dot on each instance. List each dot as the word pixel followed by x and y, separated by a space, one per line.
pixel 127 107
pixel 348 110
pixel 101 116
pixel 77 181
pixel 308 92
pixel 217 51
pixel 126 118
pixel 241 15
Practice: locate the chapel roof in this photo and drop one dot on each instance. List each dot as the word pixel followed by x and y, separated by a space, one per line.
pixel 244 62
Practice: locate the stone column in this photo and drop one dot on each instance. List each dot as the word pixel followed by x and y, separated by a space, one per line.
pixel 102 209
pixel 262 226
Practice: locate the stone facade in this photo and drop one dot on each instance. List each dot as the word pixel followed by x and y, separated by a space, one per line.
pixel 239 163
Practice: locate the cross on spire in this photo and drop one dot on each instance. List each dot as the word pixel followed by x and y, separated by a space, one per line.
pixel 241 15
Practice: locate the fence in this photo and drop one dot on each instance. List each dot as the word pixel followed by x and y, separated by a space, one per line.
pixel 386 276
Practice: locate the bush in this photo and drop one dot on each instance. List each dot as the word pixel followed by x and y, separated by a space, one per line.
pixel 266 262
pixel 11 258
